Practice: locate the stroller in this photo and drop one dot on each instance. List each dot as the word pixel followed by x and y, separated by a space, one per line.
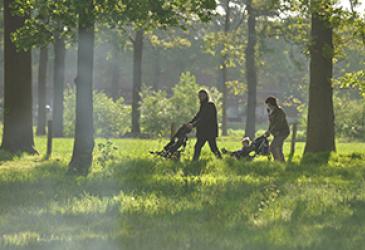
pixel 260 146
pixel 176 145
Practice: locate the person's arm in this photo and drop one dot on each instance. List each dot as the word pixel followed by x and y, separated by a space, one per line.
pixel 194 122
pixel 276 121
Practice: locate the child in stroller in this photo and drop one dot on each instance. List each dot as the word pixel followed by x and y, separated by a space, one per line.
pixel 177 144
pixel 249 150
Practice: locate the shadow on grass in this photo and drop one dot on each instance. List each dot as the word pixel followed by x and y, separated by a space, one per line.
pixel 316 159
pixel 154 204
pixel 6 156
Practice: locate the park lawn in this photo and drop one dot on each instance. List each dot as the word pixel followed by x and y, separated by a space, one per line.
pixel 136 201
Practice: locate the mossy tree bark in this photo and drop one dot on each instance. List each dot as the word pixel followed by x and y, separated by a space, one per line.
pixel 321 128
pixel 18 123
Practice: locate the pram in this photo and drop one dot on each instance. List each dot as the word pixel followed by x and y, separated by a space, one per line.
pixel 176 145
pixel 260 146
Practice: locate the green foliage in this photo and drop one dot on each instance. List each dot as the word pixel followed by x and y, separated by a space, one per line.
pixel 185 98
pixel 105 152
pixel 158 111
pixel 353 80
pixel 46 20
pixel 111 119
pixel 350 118
pixel 168 41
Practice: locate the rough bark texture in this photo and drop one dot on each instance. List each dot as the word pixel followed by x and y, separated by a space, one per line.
pixel 42 91
pixel 84 130
pixel 137 81
pixel 251 73
pixel 58 87
pixel 320 129
pixel 18 124
pixel 224 72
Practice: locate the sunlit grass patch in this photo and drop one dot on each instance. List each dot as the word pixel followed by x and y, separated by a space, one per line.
pixel 86 204
pixel 138 201
pixel 20 239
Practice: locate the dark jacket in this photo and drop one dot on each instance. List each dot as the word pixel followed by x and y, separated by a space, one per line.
pixel 205 121
pixel 278 124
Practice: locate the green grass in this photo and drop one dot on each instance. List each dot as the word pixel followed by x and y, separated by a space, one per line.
pixel 137 201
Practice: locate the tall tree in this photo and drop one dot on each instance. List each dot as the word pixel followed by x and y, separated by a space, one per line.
pixel 137 80
pixel 146 15
pixel 42 91
pixel 157 68
pixel 48 22
pixel 224 42
pixel 84 130
pixel 224 69
pixel 251 71
pixel 320 129
pixel 58 86
pixel 115 84
pixel 18 124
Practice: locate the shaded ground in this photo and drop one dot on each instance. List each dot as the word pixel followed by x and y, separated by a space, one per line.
pixel 138 202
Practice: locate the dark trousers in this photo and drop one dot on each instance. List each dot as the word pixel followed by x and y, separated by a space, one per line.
pixel 212 144
pixel 276 148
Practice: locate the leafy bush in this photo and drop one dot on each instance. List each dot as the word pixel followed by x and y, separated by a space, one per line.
pixel 105 153
pixel 111 119
pixel 158 111
pixel 350 118
pixel 185 100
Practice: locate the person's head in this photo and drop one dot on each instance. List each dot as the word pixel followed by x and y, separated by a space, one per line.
pixel 246 141
pixel 271 102
pixel 203 96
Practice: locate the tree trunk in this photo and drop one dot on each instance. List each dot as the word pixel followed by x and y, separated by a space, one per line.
pixel 18 124
pixel 42 91
pixel 251 74
pixel 115 86
pixel 320 129
pixel 224 97
pixel 58 86
pixel 224 71
pixel 84 130
pixel 137 81
pixel 157 69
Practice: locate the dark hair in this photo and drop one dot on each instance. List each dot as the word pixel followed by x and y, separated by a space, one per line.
pixel 203 91
pixel 272 101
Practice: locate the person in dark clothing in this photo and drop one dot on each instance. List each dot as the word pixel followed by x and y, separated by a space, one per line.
pixel 278 128
pixel 206 124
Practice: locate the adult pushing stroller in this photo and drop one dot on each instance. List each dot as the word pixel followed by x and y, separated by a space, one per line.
pixel 177 144
pixel 260 146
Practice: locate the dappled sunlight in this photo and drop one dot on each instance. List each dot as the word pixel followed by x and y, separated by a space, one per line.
pixel 142 202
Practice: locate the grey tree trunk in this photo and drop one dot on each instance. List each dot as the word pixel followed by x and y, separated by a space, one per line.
pixel 84 131
pixel 321 129
pixel 58 87
pixel 18 123
pixel 224 70
pixel 115 84
pixel 137 81
pixel 157 69
pixel 42 91
pixel 251 73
